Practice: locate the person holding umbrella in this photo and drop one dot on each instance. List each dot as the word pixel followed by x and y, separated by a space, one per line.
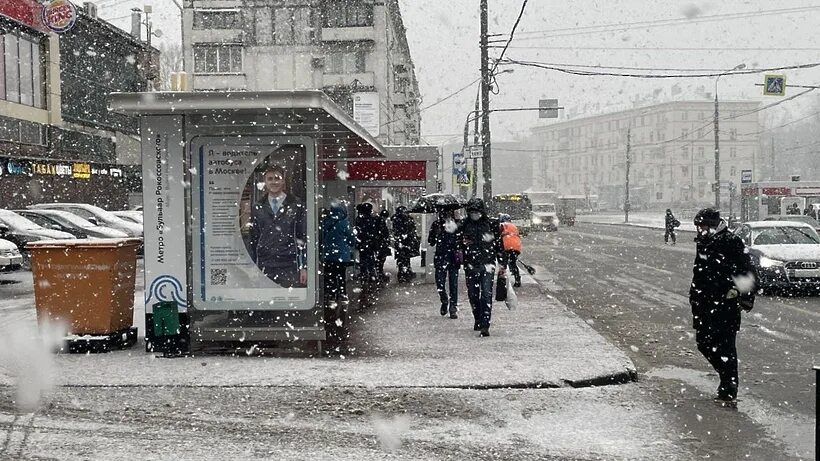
pixel 445 236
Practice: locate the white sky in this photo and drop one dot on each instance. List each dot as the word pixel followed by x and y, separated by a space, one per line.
pixel 443 39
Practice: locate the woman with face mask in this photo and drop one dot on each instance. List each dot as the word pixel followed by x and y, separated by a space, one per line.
pixel 445 237
pixel 482 249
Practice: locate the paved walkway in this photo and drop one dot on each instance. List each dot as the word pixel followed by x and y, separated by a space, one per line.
pixel 402 342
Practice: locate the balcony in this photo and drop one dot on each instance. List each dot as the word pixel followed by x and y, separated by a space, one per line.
pixel 348 34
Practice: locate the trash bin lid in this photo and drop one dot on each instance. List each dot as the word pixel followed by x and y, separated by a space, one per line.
pixel 85 243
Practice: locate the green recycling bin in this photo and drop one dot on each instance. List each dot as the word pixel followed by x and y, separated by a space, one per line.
pixel 166 319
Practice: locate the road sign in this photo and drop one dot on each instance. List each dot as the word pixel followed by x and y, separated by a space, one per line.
pixel 548 108
pixel 459 163
pixel 746 176
pixel 464 178
pixel 474 151
pixel 774 85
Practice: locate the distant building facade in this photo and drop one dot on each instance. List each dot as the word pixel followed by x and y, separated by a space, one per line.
pixel 354 50
pixel 58 141
pixel 672 150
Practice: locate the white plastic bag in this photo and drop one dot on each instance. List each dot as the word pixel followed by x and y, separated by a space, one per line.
pixel 512 298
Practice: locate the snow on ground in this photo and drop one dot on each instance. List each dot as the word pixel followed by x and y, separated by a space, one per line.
pixel 653 220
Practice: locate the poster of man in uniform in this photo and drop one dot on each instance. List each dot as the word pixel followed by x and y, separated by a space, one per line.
pixel 252 216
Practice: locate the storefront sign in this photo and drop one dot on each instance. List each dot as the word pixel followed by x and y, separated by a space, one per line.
pixel 81 170
pixel 250 256
pixel 163 197
pixel 59 15
pixel 15 167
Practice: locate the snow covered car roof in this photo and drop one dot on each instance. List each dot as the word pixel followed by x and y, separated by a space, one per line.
pixel 762 224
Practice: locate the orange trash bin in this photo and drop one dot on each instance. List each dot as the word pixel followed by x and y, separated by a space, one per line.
pixel 87 284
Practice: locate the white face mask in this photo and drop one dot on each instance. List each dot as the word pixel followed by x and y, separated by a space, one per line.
pixel 475 216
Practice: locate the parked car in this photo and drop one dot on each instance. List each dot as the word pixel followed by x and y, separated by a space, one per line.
pixel 10 257
pixel 785 253
pixel 130 215
pixel 71 223
pixel 95 215
pixel 796 218
pixel 22 231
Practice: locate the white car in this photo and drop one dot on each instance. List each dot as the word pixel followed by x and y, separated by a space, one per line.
pixel 96 215
pixel 10 257
pixel 785 253
pixel 130 215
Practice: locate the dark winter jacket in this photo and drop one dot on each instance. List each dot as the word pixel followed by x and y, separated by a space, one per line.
pixel 278 241
pixel 446 243
pixel 368 233
pixel 720 258
pixel 481 242
pixel 337 237
pixel 384 238
pixel 671 222
pixel 405 237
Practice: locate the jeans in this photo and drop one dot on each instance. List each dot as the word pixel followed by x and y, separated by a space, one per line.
pixel 480 292
pixel 446 269
pixel 513 266
pixel 667 234
pixel 719 348
pixel 335 281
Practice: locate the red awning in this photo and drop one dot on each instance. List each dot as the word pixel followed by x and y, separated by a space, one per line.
pixel 27 12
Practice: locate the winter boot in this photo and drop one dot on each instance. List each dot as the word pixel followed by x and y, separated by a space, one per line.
pixel 443 310
pixel 485 332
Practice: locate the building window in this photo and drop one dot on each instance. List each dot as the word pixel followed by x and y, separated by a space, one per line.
pixel 217 59
pixel 701 171
pixel 659 195
pixel 684 151
pixel 294 26
pixel 684 133
pixel 348 14
pixel 216 19
pixel 732 171
pixel 733 133
pixel 23 132
pixel 684 116
pixel 22 71
pixel 346 63
pixel 733 152
pixel 700 152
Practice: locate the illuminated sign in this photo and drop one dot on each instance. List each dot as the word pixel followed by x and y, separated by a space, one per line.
pixel 14 167
pixel 59 15
pixel 81 170
pixel 43 168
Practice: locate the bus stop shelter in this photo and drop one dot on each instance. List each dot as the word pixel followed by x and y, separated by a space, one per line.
pixel 204 159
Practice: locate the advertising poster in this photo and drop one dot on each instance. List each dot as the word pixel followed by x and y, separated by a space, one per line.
pixel 163 198
pixel 253 214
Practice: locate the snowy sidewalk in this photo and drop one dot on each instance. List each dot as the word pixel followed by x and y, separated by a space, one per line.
pixel 649 220
pixel 403 342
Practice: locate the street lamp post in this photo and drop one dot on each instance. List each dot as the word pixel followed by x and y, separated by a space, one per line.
pixel 717 136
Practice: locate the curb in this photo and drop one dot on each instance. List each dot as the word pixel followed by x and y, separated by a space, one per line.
pixel 642 226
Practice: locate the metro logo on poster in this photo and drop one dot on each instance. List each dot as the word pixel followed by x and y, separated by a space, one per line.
pixel 59 15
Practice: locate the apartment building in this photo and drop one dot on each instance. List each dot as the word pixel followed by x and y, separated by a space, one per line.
pixel 672 153
pixel 354 50
pixel 58 141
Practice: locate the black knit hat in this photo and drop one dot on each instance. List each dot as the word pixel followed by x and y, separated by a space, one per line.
pixel 475 204
pixel 707 217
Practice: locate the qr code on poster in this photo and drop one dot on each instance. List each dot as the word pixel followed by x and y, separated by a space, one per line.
pixel 219 276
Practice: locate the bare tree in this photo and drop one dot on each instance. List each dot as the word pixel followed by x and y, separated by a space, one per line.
pixel 170 60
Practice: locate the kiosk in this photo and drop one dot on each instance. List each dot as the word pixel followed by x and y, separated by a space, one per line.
pixel 240 264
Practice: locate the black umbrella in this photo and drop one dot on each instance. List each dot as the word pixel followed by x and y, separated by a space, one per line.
pixel 432 203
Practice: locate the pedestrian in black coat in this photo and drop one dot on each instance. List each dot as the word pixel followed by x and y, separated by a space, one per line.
pixel 671 222
pixel 482 251
pixel 444 235
pixel 722 284
pixel 384 250
pixel 406 241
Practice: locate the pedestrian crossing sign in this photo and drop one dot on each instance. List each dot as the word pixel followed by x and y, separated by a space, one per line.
pixel 774 85
pixel 464 178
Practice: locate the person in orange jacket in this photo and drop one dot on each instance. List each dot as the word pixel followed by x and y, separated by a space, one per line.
pixel 512 245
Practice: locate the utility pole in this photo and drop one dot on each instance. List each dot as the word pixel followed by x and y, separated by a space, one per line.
pixel 717 152
pixel 485 106
pixel 772 172
pixel 475 143
pixel 628 164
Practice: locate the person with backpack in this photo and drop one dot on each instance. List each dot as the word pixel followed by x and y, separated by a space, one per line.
pixel 511 241
pixel 671 222
pixel 445 237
